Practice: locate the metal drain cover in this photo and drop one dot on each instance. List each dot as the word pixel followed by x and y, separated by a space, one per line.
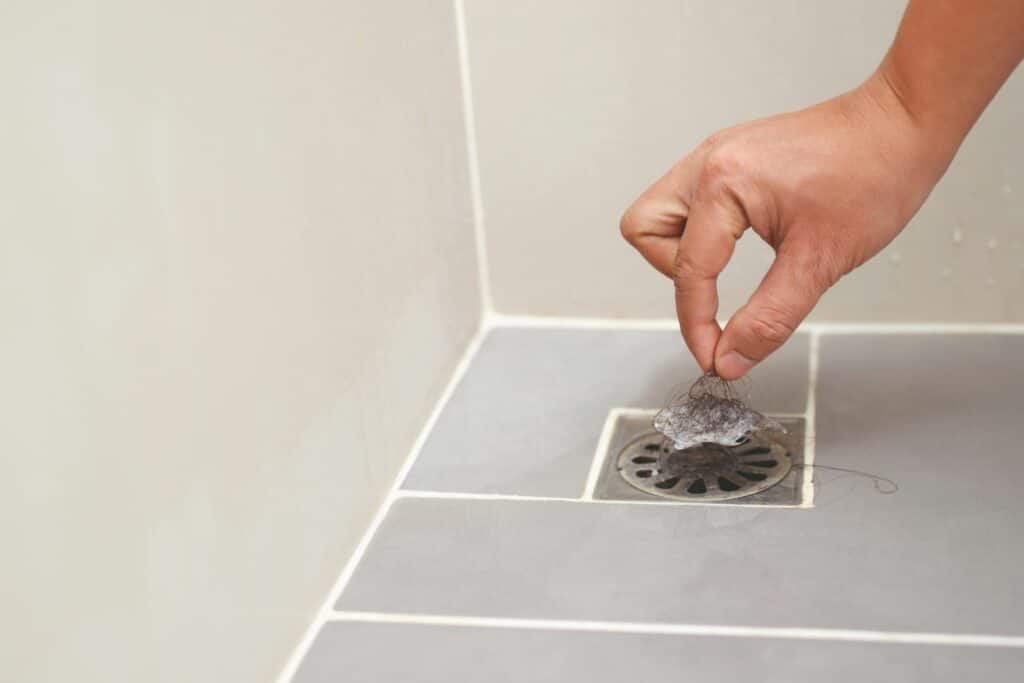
pixel 703 473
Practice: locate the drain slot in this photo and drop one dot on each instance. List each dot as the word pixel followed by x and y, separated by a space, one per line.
pixel 707 472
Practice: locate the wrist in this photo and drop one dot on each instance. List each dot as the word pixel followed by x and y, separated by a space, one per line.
pixel 924 138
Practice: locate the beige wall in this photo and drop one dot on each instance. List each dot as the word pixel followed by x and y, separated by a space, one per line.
pixel 580 105
pixel 237 269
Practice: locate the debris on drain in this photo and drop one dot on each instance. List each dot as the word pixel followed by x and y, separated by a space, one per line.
pixel 710 412
pixel 705 473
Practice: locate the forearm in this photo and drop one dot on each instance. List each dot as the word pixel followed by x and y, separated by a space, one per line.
pixel 949 59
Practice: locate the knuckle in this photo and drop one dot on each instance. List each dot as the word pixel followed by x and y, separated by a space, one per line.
pixel 833 264
pixel 769 326
pixel 819 264
pixel 629 228
pixel 687 271
pixel 823 275
pixel 682 284
pixel 821 271
pixel 721 168
pixel 711 142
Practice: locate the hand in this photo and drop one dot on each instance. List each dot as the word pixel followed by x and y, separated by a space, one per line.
pixel 827 187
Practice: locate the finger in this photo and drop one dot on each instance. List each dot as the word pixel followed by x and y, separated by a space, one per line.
pixel 654 222
pixel 786 295
pixel 715 223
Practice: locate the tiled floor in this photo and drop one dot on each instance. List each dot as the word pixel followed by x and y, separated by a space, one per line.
pixel 526 418
pixel 492 566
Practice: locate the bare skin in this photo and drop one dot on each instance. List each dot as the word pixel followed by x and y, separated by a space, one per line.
pixel 827 187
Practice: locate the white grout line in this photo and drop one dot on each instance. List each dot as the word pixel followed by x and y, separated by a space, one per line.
pixel 810 417
pixel 656 628
pixel 502 320
pixel 455 495
pixel 458 495
pixel 602 447
pixel 353 561
pixel 914 328
pixel 473 157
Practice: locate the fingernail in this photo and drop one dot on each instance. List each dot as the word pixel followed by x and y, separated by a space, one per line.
pixel 733 364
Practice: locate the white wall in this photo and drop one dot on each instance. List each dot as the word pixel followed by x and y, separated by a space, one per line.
pixel 236 269
pixel 581 105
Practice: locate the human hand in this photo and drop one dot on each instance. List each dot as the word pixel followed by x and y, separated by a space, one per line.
pixel 827 187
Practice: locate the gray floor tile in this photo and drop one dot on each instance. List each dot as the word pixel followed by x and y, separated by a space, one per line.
pixel 527 416
pixel 943 554
pixel 840 565
pixel 386 653
pixel 939 413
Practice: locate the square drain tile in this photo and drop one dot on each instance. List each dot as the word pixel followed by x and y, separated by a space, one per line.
pixel 625 429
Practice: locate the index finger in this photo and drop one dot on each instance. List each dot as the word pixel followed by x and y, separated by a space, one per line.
pixel 707 244
pixel 654 222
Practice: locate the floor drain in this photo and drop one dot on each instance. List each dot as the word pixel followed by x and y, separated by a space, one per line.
pixel 707 472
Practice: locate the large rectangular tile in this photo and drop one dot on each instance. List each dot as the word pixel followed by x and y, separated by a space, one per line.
pixel 852 563
pixel 939 416
pixel 412 653
pixel 527 416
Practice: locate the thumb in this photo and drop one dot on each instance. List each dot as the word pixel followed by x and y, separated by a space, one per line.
pixel 786 295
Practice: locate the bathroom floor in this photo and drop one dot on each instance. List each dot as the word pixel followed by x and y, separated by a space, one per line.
pixel 494 563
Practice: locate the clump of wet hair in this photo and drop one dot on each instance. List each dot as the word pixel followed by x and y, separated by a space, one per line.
pixel 710 412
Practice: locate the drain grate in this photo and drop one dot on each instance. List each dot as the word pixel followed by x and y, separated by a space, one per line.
pixel 707 472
